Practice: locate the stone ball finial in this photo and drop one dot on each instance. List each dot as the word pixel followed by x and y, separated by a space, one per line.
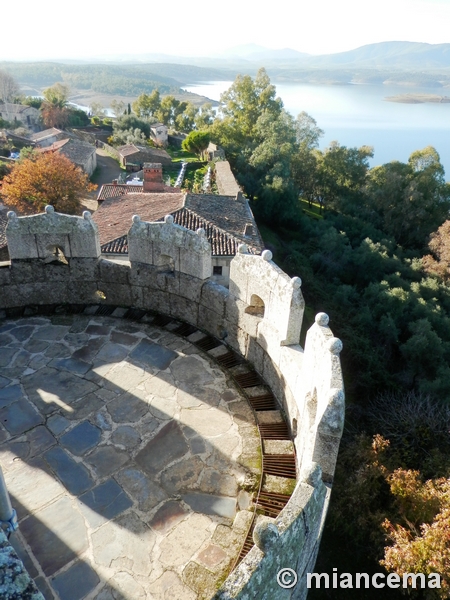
pixel 335 345
pixel 201 232
pixel 11 215
pixel 322 319
pixel 86 215
pixel 49 209
pixel 243 249
pixel 168 219
pixel 312 474
pixel 265 534
pixel 136 219
pixel 296 283
pixel 267 255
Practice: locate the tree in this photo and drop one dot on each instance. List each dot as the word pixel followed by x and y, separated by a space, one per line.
pixel 147 104
pixel 42 179
pixel 9 88
pixel 196 142
pixel 341 175
pixel 54 108
pixel 440 247
pixel 97 109
pixel 410 200
pixel 131 123
pixel 186 120
pixel 241 106
pixel 118 107
pixel 57 95
pixel 304 160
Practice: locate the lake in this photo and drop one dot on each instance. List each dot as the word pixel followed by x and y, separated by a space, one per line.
pixel 358 115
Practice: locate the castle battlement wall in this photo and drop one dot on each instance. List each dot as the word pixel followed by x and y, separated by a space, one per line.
pixel 260 316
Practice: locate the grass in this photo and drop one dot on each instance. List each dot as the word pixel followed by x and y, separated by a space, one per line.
pixel 312 210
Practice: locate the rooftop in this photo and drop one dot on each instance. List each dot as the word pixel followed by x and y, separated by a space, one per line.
pixel 223 217
pixel 113 217
pixel 42 135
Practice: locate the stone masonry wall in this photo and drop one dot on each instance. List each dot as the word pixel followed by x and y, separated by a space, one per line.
pixel 260 316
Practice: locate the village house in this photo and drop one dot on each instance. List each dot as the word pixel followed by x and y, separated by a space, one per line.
pixel 137 155
pixel 227 219
pixel 159 134
pixel 15 113
pixel 48 137
pixel 80 153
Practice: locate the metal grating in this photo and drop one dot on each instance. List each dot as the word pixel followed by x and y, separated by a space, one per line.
pixel 185 329
pixel 271 504
pixel 248 543
pixel 229 360
pixel 263 402
pixel 207 343
pixel 136 314
pixel 274 431
pixel 246 380
pixel 280 465
pixel 104 310
pixel 161 320
pixel 75 309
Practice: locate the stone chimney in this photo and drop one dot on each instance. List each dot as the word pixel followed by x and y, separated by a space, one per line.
pixel 153 180
pixel 248 230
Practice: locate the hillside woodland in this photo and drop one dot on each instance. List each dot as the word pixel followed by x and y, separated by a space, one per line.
pixel 372 247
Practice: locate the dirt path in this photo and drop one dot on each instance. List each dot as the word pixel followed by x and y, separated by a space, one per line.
pixel 107 170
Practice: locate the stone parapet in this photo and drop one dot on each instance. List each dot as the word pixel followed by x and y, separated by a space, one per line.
pixel 260 316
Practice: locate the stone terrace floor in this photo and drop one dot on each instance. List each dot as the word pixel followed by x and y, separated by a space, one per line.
pixel 126 452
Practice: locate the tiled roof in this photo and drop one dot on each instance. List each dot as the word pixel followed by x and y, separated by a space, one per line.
pixel 41 135
pixel 113 217
pixel 110 190
pixel 77 151
pixel 227 213
pixel 127 150
pixel 53 147
pixel 222 243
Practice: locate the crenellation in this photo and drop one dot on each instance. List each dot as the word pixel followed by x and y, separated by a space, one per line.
pixel 259 316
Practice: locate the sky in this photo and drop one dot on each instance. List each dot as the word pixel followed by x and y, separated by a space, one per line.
pixel 51 29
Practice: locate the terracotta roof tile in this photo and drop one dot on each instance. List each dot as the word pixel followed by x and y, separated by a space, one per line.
pixel 113 217
pixel 222 243
pixel 110 190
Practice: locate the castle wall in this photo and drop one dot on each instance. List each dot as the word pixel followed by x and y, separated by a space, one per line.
pixel 260 316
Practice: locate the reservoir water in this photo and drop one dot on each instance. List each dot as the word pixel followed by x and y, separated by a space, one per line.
pixel 358 115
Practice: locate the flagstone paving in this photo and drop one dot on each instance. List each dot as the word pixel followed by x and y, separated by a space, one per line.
pixel 124 449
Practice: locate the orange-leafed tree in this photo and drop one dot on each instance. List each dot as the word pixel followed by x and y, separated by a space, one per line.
pixel 43 179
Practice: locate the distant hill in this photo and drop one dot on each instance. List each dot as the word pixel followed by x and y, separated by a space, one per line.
pixel 389 55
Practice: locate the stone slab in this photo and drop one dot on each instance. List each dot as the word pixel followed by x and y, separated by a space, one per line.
pixel 81 438
pixel 10 394
pixel 167 517
pixel 208 504
pixel 56 534
pixel 19 417
pixel 74 476
pixel 141 488
pixel 76 582
pixel 168 445
pixel 104 502
pixel 154 355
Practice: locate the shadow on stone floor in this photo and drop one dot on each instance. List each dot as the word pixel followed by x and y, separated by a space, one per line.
pixel 143 432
